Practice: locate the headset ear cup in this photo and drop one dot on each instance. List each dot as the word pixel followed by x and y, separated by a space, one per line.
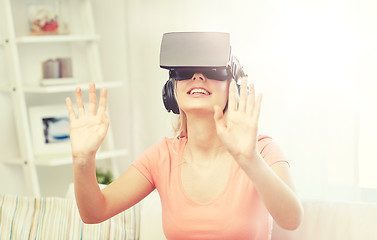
pixel 168 97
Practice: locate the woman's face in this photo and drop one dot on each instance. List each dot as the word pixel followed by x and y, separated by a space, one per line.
pixel 200 94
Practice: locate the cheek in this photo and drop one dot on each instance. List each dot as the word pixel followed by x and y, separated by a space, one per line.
pixel 178 91
pixel 224 90
pixel 178 88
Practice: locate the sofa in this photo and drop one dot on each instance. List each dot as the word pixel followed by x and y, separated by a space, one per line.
pixel 58 218
pixel 53 218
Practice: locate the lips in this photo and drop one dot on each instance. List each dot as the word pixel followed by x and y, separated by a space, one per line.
pixel 198 91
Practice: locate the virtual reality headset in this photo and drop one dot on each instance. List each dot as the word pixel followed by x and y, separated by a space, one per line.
pixel 209 53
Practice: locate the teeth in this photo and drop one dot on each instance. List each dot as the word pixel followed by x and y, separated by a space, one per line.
pixel 199 90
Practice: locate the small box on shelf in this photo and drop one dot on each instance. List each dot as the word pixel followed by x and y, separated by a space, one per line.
pixel 57 72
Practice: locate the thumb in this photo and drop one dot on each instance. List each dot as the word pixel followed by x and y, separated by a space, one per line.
pixel 219 119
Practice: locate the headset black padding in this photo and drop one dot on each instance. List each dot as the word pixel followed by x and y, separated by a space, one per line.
pixel 168 97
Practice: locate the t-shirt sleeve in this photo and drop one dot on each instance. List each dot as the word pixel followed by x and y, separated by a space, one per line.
pixel 270 150
pixel 147 163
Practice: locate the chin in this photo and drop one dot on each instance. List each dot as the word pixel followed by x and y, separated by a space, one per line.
pixel 199 110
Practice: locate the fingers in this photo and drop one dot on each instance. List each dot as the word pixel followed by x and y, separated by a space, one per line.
pixel 257 107
pixel 71 112
pixel 243 95
pixel 251 104
pixel 219 120
pixel 232 103
pixel 248 102
pixel 79 103
pixel 254 104
pixel 102 102
pixel 92 102
pixel 92 99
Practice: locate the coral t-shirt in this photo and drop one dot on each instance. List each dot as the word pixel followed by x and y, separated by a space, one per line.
pixel 237 213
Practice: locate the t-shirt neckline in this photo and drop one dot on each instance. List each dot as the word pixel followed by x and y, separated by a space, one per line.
pixel 187 197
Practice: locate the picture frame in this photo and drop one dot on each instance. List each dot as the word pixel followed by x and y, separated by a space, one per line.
pixel 50 130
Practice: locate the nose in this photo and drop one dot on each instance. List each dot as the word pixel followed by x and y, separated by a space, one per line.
pixel 198 76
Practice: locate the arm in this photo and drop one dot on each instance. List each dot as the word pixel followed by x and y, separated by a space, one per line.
pixel 96 206
pixel 87 132
pixel 239 134
pixel 276 189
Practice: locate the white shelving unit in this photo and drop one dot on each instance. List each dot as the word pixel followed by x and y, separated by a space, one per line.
pixel 21 56
pixel 53 38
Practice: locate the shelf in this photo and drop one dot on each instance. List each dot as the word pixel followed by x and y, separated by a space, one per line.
pixel 69 87
pixel 5 89
pixel 57 38
pixel 52 161
pixel 20 57
pixel 3 42
pixel 13 161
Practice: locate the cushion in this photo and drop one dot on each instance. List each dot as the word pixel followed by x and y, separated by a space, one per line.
pixel 151 218
pixel 327 220
pixel 47 218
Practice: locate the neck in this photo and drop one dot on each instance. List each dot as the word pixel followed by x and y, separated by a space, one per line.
pixel 202 138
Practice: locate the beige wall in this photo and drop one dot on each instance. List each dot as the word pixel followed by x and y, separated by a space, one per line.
pixel 313 60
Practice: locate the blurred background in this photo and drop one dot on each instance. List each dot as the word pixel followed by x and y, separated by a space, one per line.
pixel 314 61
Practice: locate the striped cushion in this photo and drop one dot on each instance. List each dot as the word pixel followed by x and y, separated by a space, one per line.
pixel 58 218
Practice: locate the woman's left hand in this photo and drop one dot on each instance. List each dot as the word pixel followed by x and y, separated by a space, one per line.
pixel 238 132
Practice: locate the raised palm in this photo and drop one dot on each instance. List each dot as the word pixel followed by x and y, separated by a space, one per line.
pixel 87 131
pixel 238 132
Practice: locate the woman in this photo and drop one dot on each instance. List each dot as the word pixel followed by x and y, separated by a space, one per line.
pixel 217 180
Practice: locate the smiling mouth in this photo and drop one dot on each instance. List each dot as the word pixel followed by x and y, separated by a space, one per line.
pixel 197 91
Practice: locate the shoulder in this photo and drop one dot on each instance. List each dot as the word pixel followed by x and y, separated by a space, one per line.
pixel 262 137
pixel 270 150
pixel 165 147
pixel 158 156
pixel 263 141
pixel 172 144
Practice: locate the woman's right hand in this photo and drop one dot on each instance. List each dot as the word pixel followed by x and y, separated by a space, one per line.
pixel 87 131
